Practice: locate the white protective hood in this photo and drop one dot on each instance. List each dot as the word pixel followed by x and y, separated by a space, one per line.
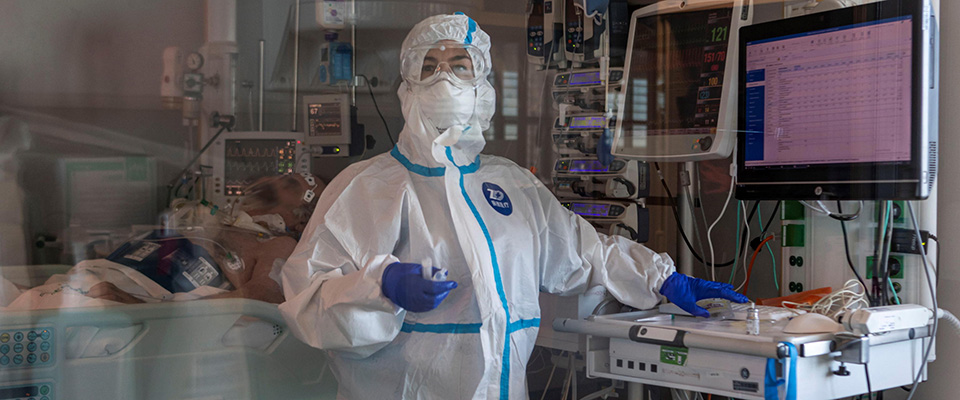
pixel 418 139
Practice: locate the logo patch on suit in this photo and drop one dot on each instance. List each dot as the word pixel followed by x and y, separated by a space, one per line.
pixel 497 198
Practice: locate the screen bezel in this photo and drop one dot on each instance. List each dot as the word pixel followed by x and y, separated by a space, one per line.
pixel 686 147
pixel 847 181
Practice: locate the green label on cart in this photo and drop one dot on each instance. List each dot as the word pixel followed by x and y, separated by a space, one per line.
pixel 673 355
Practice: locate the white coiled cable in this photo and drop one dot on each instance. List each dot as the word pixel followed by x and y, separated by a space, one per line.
pixel 950 319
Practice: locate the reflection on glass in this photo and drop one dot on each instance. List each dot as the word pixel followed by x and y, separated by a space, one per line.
pixel 684 54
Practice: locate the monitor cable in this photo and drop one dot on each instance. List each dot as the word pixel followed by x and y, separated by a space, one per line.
pixel 885 282
pixel 225 123
pixel 377 107
pixel 846 247
pixel 822 209
pixel 713 265
pixel 676 216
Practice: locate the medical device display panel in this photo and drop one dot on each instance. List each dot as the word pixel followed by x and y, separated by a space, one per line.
pixel 588 178
pixel 584 91
pixel 612 217
pixel 586 78
pixel 595 210
pixel 574 28
pixel 24 348
pixel 679 94
pixel 581 122
pixel 576 144
pixel 240 158
pixel 590 166
pixel 832 102
pixel 587 122
pixel 28 391
pixel 326 120
pixel 247 160
pixel 535 29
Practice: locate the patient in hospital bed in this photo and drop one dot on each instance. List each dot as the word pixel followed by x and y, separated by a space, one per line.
pixel 200 256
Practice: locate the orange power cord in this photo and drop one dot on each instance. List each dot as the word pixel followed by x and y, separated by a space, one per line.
pixel 752 259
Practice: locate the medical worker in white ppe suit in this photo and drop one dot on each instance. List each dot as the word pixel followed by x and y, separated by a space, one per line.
pixel 354 285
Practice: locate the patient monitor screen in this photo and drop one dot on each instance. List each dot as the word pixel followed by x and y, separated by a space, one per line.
pixel 831 96
pixel 246 160
pixel 324 119
pixel 676 74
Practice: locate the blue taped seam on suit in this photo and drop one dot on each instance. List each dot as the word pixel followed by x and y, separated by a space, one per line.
pixel 471 28
pixel 440 328
pixel 427 171
pixel 505 360
pixel 417 169
pixel 523 324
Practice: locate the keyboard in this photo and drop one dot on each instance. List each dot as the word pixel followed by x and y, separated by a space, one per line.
pixel 739 311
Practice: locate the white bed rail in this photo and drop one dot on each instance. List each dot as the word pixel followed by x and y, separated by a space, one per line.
pixel 196 350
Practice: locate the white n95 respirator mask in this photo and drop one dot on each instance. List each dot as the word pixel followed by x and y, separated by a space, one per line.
pixel 444 104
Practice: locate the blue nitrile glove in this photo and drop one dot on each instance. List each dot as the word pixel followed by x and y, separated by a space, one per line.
pixel 404 285
pixel 684 291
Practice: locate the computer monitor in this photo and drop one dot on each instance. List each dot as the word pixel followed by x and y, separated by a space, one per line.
pixel 678 101
pixel 839 105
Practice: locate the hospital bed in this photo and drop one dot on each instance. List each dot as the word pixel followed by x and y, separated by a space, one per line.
pixel 192 350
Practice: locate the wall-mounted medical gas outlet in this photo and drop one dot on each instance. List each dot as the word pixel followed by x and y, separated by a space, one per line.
pixel 821 260
pixel 894 264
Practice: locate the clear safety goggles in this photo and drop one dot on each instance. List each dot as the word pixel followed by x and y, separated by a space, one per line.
pixel 460 63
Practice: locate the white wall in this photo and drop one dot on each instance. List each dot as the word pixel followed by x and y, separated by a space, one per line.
pixel 102 53
pixel 90 67
pixel 943 383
